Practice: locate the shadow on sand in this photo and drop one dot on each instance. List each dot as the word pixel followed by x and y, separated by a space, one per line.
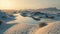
pixel 5 27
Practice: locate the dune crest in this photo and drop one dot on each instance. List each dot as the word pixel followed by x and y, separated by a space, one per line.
pixel 53 28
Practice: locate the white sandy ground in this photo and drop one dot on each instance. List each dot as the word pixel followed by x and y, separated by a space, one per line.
pixel 19 26
pixel 22 29
pixel 53 28
pixel 28 26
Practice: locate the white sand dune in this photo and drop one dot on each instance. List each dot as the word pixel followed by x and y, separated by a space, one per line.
pixel 53 28
pixel 26 25
pixel 21 29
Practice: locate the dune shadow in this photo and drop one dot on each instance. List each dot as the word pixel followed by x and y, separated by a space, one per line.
pixel 5 27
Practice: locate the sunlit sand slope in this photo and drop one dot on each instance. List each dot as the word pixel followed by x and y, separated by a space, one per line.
pixel 53 28
pixel 22 29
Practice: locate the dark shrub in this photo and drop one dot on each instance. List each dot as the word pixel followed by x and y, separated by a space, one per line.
pixel 1 22
pixel 51 17
pixel 3 17
pixel 11 15
pixel 42 24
